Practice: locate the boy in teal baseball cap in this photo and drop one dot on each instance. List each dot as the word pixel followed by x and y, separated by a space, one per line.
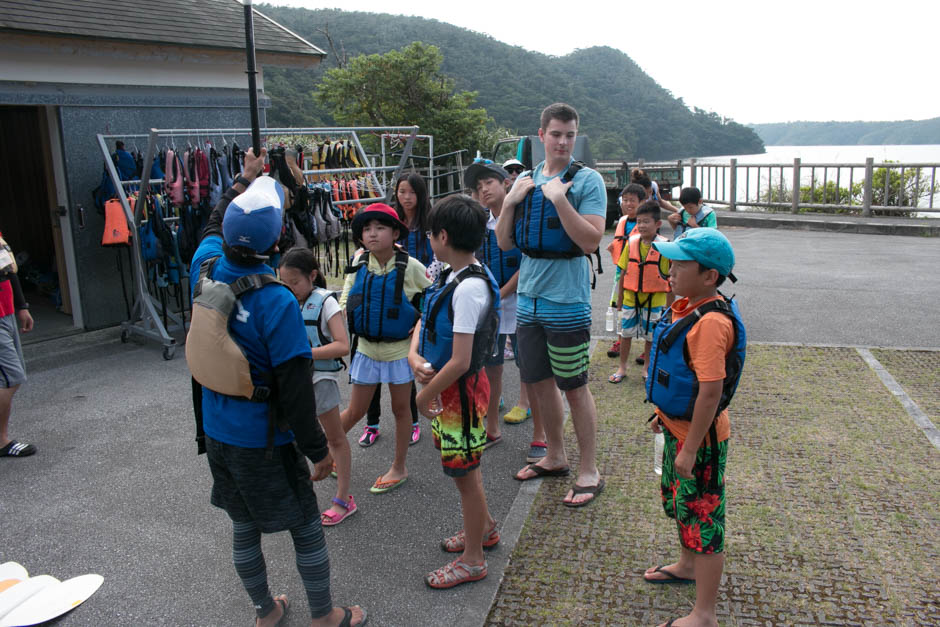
pixel 695 365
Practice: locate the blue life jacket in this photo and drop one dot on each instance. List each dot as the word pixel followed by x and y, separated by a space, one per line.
pixel 672 385
pixel 538 231
pixel 418 246
pixel 376 307
pixel 502 264
pixel 437 325
pixel 311 311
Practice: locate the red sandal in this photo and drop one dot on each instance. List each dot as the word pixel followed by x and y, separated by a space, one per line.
pixel 331 517
pixel 457 542
pixel 454 574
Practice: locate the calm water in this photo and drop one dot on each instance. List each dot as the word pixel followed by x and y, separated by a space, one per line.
pixel 852 156
pixel 929 153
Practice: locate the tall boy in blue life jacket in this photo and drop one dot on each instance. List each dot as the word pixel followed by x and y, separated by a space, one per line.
pixel 488 180
pixel 260 476
pixel 555 215
pixel 457 332
pixel 695 365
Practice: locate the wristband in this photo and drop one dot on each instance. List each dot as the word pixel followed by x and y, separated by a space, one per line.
pixel 22 307
pixel 241 180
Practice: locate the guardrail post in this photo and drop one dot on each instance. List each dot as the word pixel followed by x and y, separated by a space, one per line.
pixel 795 206
pixel 733 201
pixel 692 171
pixel 869 174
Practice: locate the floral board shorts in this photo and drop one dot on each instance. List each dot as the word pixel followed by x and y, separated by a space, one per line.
pixel 460 439
pixel 697 506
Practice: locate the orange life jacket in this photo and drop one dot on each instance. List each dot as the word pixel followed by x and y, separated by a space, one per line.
pixel 620 239
pixel 643 275
pixel 116 231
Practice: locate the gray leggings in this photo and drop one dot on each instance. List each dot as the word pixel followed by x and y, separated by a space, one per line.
pixel 313 564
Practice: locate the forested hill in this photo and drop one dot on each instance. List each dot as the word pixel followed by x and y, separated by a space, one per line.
pixel 624 111
pixel 850 133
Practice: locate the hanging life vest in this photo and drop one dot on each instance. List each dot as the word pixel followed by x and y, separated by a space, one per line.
pixel 376 307
pixel 643 275
pixel 312 310
pixel 173 182
pixel 538 231
pixel 672 385
pixel 418 246
pixel 503 264
pixel 116 232
pixel 437 326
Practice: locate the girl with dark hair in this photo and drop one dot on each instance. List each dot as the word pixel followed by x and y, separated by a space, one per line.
pixel 329 342
pixel 412 202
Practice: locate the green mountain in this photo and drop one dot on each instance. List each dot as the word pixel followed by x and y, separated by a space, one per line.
pixel 849 133
pixel 624 112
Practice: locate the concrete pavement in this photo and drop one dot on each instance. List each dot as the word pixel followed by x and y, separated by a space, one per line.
pixel 117 488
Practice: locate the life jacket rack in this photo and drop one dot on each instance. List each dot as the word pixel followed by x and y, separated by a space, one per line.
pixel 143 317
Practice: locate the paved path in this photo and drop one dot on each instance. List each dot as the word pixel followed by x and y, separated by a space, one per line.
pixel 118 490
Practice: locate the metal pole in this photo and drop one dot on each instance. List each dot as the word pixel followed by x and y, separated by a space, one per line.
pixel 405 155
pixel 692 173
pixel 866 199
pixel 733 201
pixel 795 203
pixel 252 80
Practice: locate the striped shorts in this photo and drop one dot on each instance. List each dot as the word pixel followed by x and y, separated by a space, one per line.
pixel 554 341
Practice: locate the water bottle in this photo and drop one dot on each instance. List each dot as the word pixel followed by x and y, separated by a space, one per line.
pixel 435 407
pixel 659 442
pixel 610 320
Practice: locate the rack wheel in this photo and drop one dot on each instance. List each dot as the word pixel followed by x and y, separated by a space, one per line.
pixel 169 352
pixel 125 336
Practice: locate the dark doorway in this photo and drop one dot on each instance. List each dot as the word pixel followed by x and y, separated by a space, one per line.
pixel 27 219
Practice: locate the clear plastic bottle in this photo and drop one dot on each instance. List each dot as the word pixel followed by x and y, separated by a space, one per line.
pixel 659 443
pixel 609 326
pixel 435 407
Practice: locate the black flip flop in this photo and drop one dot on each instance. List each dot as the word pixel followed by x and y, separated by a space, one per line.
pixel 593 490
pixel 564 471
pixel 672 578
pixel 17 449
pixel 347 618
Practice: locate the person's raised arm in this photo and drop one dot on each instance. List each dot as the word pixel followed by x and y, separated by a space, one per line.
pixel 506 220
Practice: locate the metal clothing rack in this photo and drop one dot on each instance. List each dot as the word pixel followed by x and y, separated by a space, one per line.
pixel 144 319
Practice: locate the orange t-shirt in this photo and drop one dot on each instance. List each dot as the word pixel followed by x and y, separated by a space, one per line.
pixel 709 342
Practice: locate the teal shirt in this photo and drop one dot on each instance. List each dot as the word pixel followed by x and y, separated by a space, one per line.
pixel 565 280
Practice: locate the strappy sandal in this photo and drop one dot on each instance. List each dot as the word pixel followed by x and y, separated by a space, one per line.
pixel 457 542
pixel 331 517
pixel 454 574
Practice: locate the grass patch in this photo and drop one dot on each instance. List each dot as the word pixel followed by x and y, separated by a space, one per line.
pixel 832 496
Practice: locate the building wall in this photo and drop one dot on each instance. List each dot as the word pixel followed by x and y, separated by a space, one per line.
pixel 84 111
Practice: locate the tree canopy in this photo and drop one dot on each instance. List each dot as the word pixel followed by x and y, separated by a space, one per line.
pixel 625 113
pixel 403 88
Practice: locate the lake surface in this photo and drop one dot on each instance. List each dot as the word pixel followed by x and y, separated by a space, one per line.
pixel 753 183
pixel 928 153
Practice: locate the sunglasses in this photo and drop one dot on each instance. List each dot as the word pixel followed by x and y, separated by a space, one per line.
pixel 515 170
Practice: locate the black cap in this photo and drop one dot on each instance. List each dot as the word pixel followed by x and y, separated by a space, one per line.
pixel 472 174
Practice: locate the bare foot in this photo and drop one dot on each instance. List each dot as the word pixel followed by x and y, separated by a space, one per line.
pixel 335 617
pixel 274 616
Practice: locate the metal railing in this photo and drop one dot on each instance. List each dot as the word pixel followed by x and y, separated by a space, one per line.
pixel 885 188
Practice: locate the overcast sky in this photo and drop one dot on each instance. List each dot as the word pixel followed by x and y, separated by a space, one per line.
pixel 751 61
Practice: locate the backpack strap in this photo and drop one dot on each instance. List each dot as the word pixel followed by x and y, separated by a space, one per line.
pixel 401 265
pixel 716 305
pixel 573 169
pixel 252 282
pixel 363 261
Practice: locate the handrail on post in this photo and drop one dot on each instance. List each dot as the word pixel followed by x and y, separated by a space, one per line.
pixel 795 203
pixel 692 173
pixel 733 200
pixel 869 175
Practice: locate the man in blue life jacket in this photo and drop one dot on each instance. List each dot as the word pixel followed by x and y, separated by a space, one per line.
pixel 555 215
